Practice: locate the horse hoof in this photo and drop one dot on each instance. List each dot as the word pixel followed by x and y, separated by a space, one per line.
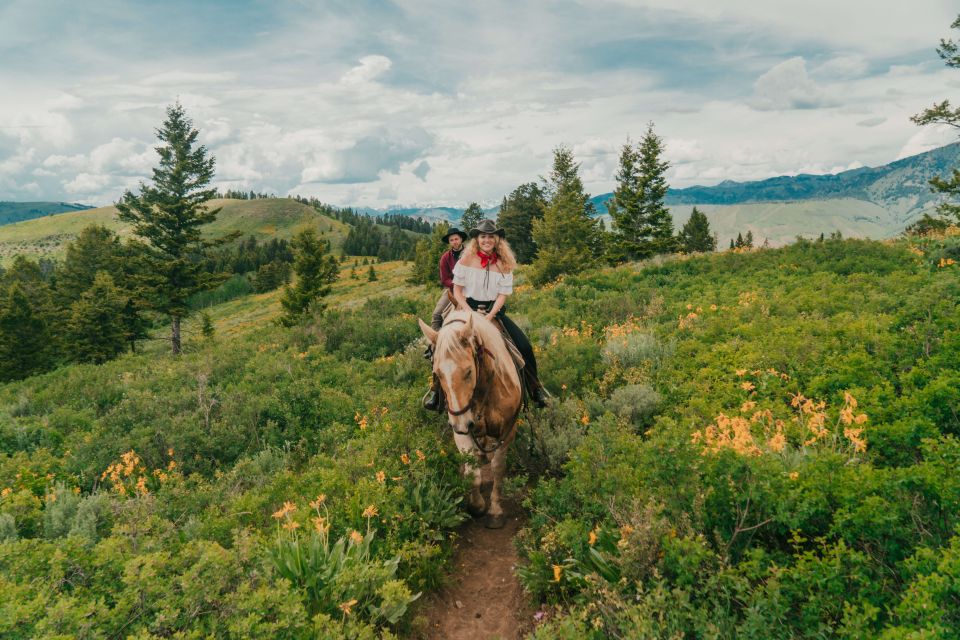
pixel 495 521
pixel 475 511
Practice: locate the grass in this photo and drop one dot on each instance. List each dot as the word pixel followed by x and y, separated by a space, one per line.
pixel 48 237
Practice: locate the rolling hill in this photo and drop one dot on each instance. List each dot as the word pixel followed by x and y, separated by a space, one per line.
pixel 263 218
pixel 11 212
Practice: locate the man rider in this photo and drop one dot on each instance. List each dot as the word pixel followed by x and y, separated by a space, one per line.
pixel 455 238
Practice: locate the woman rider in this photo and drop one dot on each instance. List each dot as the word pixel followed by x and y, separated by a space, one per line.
pixel 482 280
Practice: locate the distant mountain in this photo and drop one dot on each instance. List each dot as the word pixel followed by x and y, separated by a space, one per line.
pixel 19 211
pixel 901 188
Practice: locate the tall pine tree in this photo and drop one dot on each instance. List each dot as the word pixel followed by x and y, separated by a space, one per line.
pixel 695 235
pixel 567 236
pixel 517 213
pixel 168 214
pixel 642 225
pixel 939 114
pixel 315 270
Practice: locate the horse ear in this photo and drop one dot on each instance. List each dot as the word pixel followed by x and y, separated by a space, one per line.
pixel 428 331
pixel 467 330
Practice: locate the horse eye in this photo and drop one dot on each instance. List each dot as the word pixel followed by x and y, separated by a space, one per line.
pixel 467 375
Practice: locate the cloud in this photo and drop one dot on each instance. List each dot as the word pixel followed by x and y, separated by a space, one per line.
pixel 370 68
pixel 421 170
pixel 181 78
pixel 787 86
pixel 871 122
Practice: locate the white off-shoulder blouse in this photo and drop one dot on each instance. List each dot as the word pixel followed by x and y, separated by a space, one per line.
pixel 482 284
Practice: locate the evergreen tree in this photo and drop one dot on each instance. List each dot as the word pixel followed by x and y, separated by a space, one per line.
pixel 97 249
pixel 695 235
pixel 371 275
pixel 206 326
pixel 315 270
pixel 426 260
pixel 943 113
pixel 471 216
pixel 739 244
pixel 748 240
pixel 642 225
pixel 517 213
pixel 731 243
pixel 167 216
pixel 26 333
pixel 95 326
pixel 567 237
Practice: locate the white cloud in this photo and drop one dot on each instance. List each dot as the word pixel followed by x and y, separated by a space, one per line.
pixel 183 78
pixel 370 68
pixel 787 86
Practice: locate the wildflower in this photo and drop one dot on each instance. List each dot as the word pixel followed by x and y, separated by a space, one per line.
pixel 585 420
pixel 557 572
pixel 319 501
pixel 287 508
pixel 381 477
pixel 794 475
pixel 290 525
pixel 860 419
pixel 747 406
pixel 747 386
pixel 370 512
pixel 320 524
pixel 404 458
pixel 777 442
pixel 849 400
pixel 713 307
pixel 171 465
pixel 420 455
pixel 142 485
pixel 563 387
pixel 5 492
pixel 355 536
pixel 347 606
pixel 592 540
pixel 170 452
pixel 741 372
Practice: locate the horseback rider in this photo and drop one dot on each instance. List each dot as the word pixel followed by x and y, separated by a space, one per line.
pixel 482 280
pixel 455 238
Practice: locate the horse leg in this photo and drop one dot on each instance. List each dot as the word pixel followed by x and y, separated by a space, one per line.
pixel 498 466
pixel 476 505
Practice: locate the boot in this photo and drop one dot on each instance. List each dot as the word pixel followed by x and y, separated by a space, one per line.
pixel 538 393
pixel 540 396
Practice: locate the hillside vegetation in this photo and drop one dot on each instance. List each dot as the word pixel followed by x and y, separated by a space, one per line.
pixel 17 211
pixel 749 445
pixel 263 219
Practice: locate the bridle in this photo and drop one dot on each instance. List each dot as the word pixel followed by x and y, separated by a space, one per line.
pixel 478 352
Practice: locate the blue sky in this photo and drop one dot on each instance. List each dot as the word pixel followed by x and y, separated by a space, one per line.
pixel 419 102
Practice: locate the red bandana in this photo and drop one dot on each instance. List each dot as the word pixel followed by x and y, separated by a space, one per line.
pixel 487 259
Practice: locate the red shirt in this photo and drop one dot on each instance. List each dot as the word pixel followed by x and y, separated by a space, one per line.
pixel 447 261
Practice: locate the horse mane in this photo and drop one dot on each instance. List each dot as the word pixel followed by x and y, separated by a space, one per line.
pixel 449 343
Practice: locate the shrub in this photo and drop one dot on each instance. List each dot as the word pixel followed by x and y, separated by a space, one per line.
pixel 635 403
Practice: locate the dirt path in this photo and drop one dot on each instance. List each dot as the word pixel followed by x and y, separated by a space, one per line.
pixel 484 599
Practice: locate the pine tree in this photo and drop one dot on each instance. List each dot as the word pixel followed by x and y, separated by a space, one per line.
pixel 26 337
pixel 739 244
pixel 471 216
pixel 942 113
pixel 731 244
pixel 167 216
pixel 695 235
pixel 567 237
pixel 315 270
pixel 371 275
pixel 517 213
pixel 426 260
pixel 642 225
pixel 206 326
pixel 748 240
pixel 96 249
pixel 95 326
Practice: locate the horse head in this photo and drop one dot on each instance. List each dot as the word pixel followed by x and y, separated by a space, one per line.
pixel 457 362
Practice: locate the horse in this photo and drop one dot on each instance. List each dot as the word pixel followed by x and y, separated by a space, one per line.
pixel 484 397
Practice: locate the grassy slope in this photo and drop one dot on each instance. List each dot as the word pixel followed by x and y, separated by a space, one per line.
pixel 264 219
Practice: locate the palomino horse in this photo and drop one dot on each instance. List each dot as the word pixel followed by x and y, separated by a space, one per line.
pixel 482 387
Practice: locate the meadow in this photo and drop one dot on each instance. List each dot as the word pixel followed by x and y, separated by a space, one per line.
pixel 757 444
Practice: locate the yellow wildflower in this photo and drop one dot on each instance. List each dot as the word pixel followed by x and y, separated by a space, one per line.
pixel 290 525
pixel 747 386
pixel 320 524
pixel 347 606
pixel 420 455
pixel 370 512
pixel 381 477
pixel 592 540
pixel 404 458
pixel 355 536
pixel 747 406
pixel 794 475
pixel 585 419
pixel 287 508
pixel 319 501
pixel 557 572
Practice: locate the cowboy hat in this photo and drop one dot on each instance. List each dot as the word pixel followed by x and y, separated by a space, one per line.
pixel 487 226
pixel 454 232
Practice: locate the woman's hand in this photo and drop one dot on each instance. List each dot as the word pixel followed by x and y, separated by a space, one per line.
pixel 490 316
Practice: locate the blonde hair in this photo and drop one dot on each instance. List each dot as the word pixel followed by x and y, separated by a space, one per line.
pixel 505 257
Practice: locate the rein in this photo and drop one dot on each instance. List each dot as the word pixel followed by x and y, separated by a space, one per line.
pixel 478 353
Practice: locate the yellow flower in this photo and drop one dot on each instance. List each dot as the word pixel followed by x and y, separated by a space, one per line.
pixel 355 536
pixel 592 540
pixel 860 419
pixel 747 386
pixel 370 512
pixel 557 572
pixel 320 524
pixel 741 372
pixel 747 406
pixel 170 452
pixel 347 606
pixel 319 501
pixel 585 419
pixel 420 455
pixel 404 458
pixel 5 492
pixel 288 507
pixel 713 307
pixel 290 525
pixel 381 477
pixel 794 475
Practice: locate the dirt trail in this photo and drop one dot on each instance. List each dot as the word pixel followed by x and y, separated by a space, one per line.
pixel 484 599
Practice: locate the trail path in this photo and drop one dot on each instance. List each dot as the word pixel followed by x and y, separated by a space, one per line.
pixel 484 599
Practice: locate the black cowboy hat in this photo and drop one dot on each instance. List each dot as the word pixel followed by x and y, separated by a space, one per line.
pixel 487 226
pixel 454 232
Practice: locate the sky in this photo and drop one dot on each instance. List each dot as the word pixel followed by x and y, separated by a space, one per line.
pixel 428 103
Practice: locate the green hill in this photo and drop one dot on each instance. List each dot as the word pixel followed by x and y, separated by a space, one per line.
pixel 742 445
pixel 18 211
pixel 262 218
